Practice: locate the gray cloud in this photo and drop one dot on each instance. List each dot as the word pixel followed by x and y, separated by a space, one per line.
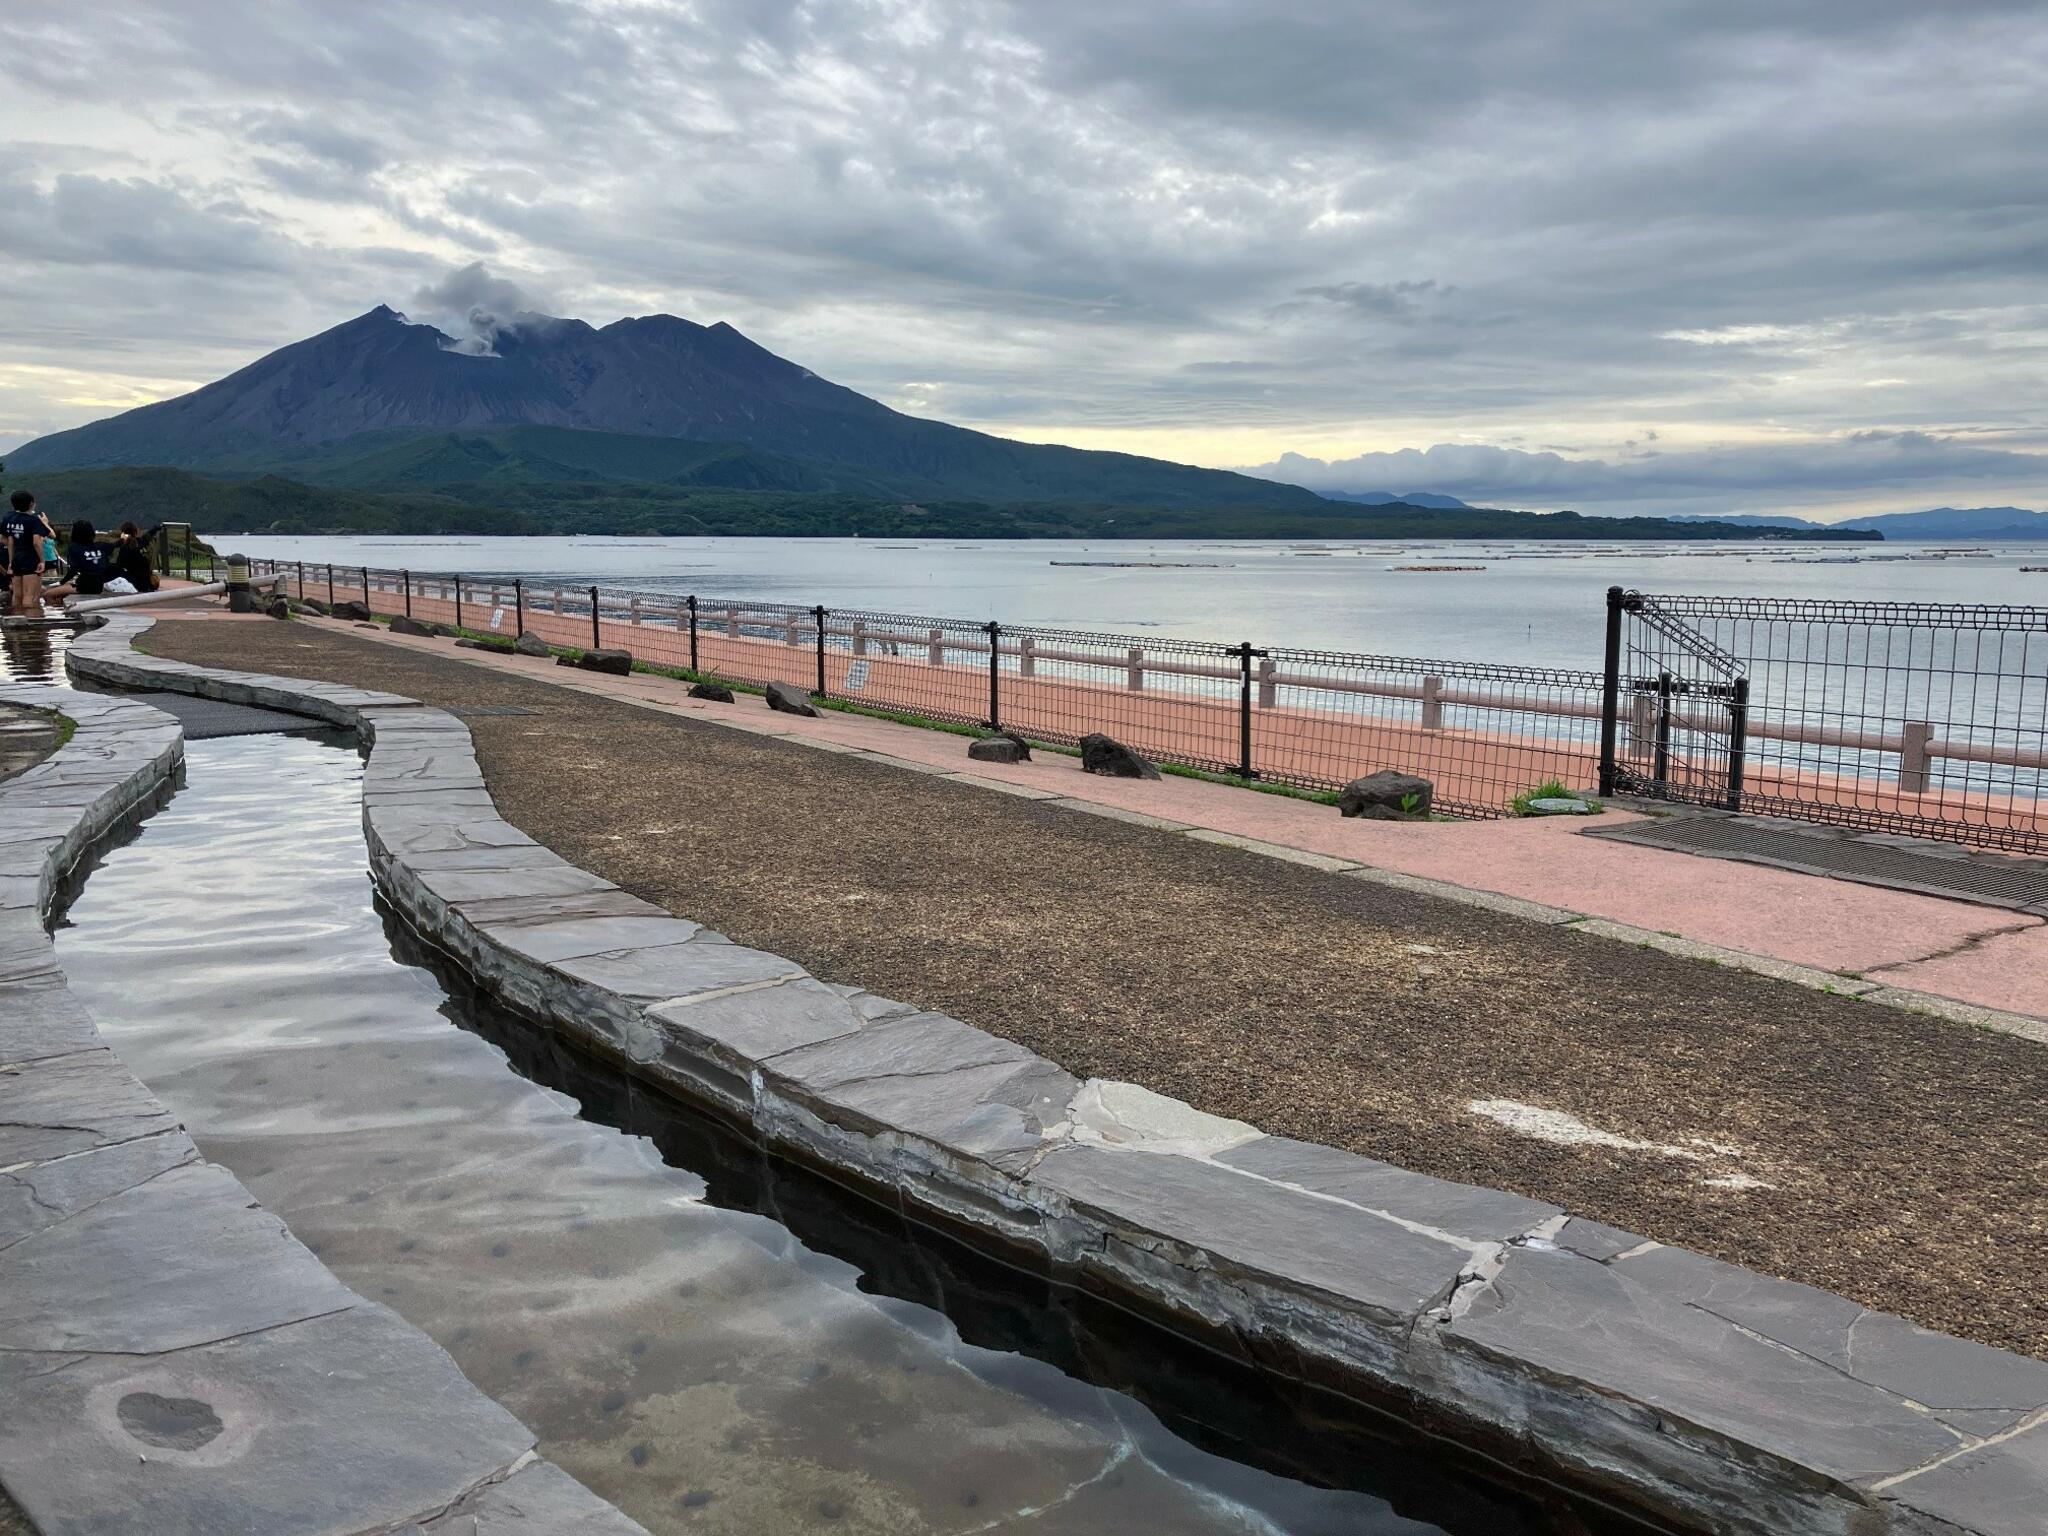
pixel 1206 227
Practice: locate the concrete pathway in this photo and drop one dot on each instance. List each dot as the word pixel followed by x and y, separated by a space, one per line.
pixel 1863 937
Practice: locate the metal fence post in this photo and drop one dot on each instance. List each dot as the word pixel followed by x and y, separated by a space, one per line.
pixel 1738 740
pixel 1661 764
pixel 818 617
pixel 995 673
pixel 458 602
pixel 518 607
pixel 1244 711
pixel 366 591
pixel 330 584
pixel 406 577
pixel 690 602
pixel 1610 692
pixel 596 634
pixel 302 577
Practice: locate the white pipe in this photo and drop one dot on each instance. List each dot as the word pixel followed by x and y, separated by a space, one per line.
pixel 165 595
pixel 137 599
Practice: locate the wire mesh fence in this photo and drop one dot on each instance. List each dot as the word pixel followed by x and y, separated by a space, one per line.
pixel 1917 718
pixel 1309 719
pixel 1482 733
pixel 1925 719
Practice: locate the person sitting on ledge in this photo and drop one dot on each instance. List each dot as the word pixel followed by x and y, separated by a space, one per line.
pixel 131 558
pixel 91 563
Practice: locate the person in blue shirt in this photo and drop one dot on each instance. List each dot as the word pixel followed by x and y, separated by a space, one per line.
pixel 22 531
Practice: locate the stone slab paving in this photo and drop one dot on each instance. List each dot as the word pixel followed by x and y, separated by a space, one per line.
pixel 173 1362
pixel 1711 1396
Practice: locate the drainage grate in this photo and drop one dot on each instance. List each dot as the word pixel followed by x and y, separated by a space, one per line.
pixel 206 719
pixel 1938 869
pixel 491 711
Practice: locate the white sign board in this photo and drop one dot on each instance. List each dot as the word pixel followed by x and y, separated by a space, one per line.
pixel 856 677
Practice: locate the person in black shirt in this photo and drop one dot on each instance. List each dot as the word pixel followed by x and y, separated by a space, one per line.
pixel 22 530
pixel 92 564
pixel 131 558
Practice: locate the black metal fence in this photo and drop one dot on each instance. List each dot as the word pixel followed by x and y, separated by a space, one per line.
pixel 1926 719
pixel 1311 719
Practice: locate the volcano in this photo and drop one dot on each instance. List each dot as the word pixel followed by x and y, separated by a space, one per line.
pixel 381 400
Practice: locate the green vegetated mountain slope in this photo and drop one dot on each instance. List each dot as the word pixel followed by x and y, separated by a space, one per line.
pixel 274 504
pixel 507 456
pixel 150 495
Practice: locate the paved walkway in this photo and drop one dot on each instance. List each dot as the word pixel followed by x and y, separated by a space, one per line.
pixel 1888 1156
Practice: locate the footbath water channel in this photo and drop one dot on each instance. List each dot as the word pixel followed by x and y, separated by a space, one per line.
pixel 711 1338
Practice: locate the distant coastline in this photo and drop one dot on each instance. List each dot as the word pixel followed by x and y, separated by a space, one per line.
pixel 278 505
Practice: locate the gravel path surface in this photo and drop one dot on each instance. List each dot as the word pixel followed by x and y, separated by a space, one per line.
pixel 1897 1159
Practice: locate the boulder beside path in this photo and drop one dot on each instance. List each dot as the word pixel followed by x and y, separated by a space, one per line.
pixel 999 749
pixel 790 700
pixel 1388 796
pixel 613 663
pixel 1110 757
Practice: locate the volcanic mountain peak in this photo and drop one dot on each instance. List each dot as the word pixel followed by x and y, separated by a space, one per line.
pixel 650 376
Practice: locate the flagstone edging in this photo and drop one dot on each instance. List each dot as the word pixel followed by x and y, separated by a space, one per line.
pixel 1697 1391
pixel 172 1359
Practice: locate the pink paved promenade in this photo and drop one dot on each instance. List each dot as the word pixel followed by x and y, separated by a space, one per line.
pixel 1978 955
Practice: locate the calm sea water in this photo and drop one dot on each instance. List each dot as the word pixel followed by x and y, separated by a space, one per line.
pixel 1532 603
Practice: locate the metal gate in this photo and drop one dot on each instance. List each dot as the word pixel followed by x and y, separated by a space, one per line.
pixel 1675 712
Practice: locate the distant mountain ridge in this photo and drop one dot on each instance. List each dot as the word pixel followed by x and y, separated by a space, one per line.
pixel 1435 500
pixel 1935 523
pixel 656 377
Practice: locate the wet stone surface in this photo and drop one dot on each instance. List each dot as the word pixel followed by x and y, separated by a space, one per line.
pixel 27 736
pixel 702 1368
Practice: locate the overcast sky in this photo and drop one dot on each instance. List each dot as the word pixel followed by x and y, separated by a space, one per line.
pixel 1622 255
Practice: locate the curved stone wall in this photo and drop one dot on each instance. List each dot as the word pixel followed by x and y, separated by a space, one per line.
pixel 1707 1395
pixel 171 1358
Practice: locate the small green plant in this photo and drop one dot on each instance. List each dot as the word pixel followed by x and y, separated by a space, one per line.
pixel 1410 803
pixel 1550 789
